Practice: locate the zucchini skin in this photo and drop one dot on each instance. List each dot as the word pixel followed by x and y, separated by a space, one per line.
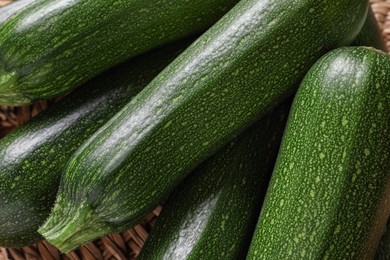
pixel 10 9
pixel 56 45
pixel 33 157
pixel 327 197
pixel 223 196
pixel 230 77
pixel 371 34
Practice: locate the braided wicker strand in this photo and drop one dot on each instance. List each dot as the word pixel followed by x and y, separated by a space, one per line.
pixel 128 244
pixel 381 9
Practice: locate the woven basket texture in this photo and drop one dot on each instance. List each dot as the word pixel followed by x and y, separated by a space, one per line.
pixel 128 244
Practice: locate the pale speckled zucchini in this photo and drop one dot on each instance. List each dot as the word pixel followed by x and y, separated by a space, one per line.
pixel 328 195
pixel 372 36
pixel 221 197
pixel 33 157
pixel 244 65
pixel 55 45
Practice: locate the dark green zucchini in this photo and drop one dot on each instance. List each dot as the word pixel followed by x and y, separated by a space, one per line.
pixel 33 157
pixel 55 45
pixel 328 195
pixel 221 197
pixel 371 35
pixel 10 9
pixel 248 62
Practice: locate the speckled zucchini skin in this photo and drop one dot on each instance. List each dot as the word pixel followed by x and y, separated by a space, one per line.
pixel 220 198
pixel 371 34
pixel 245 64
pixel 10 9
pixel 33 157
pixel 328 195
pixel 56 45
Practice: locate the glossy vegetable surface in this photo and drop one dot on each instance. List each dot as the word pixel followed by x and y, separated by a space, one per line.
pixel 328 196
pixel 10 9
pixel 231 76
pixel 221 197
pixel 54 46
pixel 33 157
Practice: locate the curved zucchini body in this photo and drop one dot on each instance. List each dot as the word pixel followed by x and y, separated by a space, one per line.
pixel 10 9
pixel 56 45
pixel 371 35
pixel 244 65
pixel 33 157
pixel 328 195
pixel 221 197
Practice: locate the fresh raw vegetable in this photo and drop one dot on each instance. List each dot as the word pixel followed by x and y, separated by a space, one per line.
pixel 55 45
pixel 371 34
pixel 34 156
pixel 231 76
pixel 10 9
pixel 222 197
pixel 328 195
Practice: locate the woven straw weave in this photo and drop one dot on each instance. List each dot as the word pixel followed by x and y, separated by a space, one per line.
pixel 128 244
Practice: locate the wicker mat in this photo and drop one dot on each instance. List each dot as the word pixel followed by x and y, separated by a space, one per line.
pixel 128 244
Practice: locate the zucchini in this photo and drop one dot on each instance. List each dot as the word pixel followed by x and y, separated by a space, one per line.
pixel 33 157
pixel 328 193
pixel 221 197
pixel 371 35
pixel 222 83
pixel 10 9
pixel 55 45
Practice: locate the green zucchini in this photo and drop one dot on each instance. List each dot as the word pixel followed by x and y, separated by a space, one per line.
pixel 33 157
pixel 371 35
pixel 55 45
pixel 328 193
pixel 244 65
pixel 10 9
pixel 221 197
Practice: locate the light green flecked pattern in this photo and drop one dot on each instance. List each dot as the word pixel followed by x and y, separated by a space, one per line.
pixel 213 213
pixel 70 230
pixel 9 90
pixel 244 65
pixel 371 35
pixel 10 9
pixel 7 80
pixel 55 45
pixel 33 157
pixel 329 193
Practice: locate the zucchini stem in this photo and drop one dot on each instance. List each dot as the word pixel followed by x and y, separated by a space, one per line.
pixel 10 93
pixel 77 226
